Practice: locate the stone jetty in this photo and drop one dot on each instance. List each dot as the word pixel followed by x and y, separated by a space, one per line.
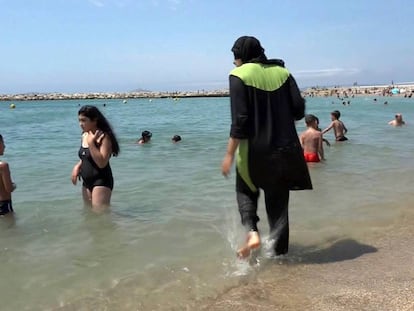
pixel 125 95
pixel 402 90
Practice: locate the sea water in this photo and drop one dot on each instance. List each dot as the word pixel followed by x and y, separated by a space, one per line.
pixel 171 233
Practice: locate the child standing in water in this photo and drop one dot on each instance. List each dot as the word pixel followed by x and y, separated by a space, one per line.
pixel 98 144
pixel 339 127
pixel 311 140
pixel 6 184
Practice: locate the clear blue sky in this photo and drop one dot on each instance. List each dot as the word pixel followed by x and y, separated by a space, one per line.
pixel 163 45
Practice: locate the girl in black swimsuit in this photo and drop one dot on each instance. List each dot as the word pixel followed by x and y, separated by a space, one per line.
pixel 98 144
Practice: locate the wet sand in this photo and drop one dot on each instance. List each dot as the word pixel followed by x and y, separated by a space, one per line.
pixel 373 273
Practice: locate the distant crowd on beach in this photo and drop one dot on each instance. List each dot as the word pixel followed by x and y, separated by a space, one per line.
pixel 405 91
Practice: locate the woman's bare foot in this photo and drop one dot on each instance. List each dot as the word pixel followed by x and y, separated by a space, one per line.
pixel 252 242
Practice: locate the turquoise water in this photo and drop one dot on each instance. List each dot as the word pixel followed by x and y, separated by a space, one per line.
pixel 170 235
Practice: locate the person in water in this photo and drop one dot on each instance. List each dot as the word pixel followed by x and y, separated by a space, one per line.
pixel 145 137
pixel 7 186
pixel 176 138
pixel 265 102
pixel 311 140
pixel 398 121
pixel 339 127
pixel 320 130
pixel 98 144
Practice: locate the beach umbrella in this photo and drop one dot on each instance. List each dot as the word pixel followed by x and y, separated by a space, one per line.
pixel 395 91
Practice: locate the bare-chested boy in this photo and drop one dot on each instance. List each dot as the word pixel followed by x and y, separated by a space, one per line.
pixel 398 121
pixel 6 184
pixel 339 127
pixel 311 140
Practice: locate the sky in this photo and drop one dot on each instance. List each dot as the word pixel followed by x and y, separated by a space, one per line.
pixel 74 46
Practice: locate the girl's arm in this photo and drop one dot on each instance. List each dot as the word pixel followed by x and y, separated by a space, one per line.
pixel 75 172
pixel 101 154
pixel 9 186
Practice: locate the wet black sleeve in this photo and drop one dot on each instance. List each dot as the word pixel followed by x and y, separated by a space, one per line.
pixel 239 113
pixel 297 101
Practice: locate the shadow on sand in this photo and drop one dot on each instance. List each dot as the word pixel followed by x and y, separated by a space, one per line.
pixel 346 249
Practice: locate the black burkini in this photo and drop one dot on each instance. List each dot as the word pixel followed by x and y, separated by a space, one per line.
pixel 92 175
pixel 265 102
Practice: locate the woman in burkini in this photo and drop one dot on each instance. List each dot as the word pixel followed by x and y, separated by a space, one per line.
pixel 98 144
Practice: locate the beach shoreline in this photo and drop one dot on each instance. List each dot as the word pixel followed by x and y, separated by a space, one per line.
pixel 398 90
pixel 349 273
pixel 374 272
pixel 401 90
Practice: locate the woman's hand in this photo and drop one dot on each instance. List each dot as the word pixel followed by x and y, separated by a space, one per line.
pixel 226 164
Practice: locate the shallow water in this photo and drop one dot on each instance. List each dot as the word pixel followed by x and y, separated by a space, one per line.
pixel 170 236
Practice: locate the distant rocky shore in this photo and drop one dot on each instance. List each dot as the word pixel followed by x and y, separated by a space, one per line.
pixel 402 90
pixel 125 95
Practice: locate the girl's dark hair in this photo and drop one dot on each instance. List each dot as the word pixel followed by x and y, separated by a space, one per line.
pixel 102 123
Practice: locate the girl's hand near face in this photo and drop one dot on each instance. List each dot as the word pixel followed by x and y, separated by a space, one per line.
pixel 95 138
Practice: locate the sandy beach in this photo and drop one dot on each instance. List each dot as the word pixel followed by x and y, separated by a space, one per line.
pixel 374 273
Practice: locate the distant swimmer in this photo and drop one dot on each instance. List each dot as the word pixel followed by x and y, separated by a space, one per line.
pixel 398 121
pixel 339 127
pixel 311 140
pixel 7 186
pixel 145 138
pixel 176 138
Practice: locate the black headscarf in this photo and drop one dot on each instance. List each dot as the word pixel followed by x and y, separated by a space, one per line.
pixel 249 50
